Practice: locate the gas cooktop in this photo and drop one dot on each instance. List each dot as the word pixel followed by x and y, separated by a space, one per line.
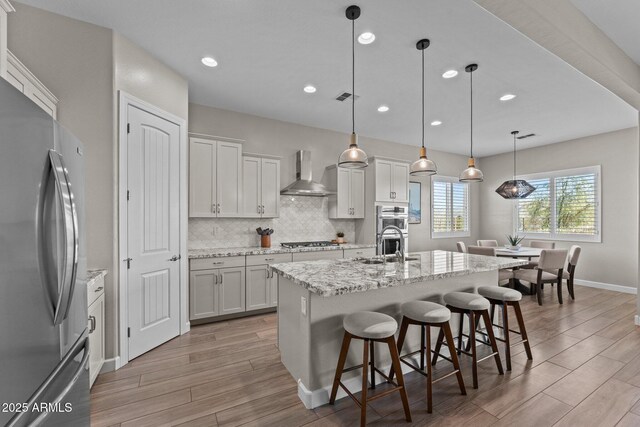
pixel 319 244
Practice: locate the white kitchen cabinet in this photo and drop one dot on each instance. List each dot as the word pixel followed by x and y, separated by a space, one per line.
pixel 348 184
pixel 317 255
pixel 391 180
pixel 96 338
pixel 215 178
pixel 273 286
pixel 232 290
pixel 216 292
pixel 258 287
pixel 358 253
pixel 261 187
pixel 24 80
pixel 96 313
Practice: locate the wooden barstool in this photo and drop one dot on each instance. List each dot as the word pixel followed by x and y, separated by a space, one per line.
pixel 428 314
pixel 505 297
pixel 370 327
pixel 475 307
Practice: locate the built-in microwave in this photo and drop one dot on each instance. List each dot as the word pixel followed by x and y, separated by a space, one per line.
pixel 392 215
pixel 389 242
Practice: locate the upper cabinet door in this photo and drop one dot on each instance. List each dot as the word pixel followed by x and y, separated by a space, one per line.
pixel 343 196
pixel 251 193
pixel 357 193
pixel 384 176
pixel 400 182
pixel 229 179
pixel 270 177
pixel 202 188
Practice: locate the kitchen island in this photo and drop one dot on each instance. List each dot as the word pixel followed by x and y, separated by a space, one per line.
pixel 314 296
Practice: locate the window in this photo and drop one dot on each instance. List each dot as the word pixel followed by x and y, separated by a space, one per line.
pixel 449 207
pixel 565 206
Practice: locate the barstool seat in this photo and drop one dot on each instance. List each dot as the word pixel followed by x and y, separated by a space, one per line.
pixel 370 325
pixel 499 293
pixel 426 312
pixel 466 301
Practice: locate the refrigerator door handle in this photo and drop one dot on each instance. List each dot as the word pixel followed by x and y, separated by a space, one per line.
pixel 80 345
pixel 70 220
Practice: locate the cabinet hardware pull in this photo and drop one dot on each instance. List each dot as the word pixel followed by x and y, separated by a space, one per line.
pixel 215 279
pixel 258 208
pixel 221 278
pixel 269 259
pixel 219 263
pixel 213 208
pixel 218 207
pixel 99 289
pixel 92 319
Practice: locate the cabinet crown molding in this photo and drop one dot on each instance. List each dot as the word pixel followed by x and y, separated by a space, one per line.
pixel 13 60
pixel 6 6
pixel 389 159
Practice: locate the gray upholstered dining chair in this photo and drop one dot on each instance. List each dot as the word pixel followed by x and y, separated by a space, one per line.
pixel 461 247
pixel 550 270
pixel 488 243
pixel 569 273
pixel 504 275
pixel 540 244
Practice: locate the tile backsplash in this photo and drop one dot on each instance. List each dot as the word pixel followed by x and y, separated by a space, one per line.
pixel 301 219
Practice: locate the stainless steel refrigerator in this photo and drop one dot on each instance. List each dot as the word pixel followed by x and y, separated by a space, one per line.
pixel 44 349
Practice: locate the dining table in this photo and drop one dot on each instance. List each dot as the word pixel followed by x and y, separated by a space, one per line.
pixel 523 252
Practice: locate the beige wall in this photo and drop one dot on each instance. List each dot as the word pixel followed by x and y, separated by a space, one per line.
pixel 613 261
pixel 143 76
pixel 267 136
pixel 85 65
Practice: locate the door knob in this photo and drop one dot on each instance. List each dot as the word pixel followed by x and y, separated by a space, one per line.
pixel 175 258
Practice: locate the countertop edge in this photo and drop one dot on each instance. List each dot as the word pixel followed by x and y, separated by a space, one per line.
pixel 94 274
pixel 228 252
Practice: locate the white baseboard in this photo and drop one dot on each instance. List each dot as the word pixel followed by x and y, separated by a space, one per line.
pixel 608 286
pixel 636 320
pixel 314 398
pixel 110 365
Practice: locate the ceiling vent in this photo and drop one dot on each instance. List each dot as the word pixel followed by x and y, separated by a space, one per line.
pixel 344 96
pixel 526 136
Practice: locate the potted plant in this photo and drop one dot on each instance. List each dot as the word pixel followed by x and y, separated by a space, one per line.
pixel 514 242
pixel 340 237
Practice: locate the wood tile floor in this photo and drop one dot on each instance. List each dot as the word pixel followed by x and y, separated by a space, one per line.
pixel 585 372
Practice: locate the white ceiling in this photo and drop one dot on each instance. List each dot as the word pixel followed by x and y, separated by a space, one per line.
pixel 267 51
pixel 618 19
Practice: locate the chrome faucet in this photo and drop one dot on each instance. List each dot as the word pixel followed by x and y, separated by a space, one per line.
pixel 400 252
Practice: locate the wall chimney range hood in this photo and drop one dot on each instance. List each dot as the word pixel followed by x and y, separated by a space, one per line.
pixel 304 185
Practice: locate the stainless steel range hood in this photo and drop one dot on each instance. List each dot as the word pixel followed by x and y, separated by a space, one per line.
pixel 304 185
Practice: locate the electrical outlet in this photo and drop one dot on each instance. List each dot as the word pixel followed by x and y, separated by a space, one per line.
pixel 303 306
pixel 216 230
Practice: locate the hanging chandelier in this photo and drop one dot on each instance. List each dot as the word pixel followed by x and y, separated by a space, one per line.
pixel 471 173
pixel 353 157
pixel 515 188
pixel 423 166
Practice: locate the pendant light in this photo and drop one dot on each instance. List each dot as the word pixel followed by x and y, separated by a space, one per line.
pixel 471 173
pixel 423 166
pixel 515 188
pixel 353 157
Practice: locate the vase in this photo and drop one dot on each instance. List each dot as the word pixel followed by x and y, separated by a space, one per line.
pixel 265 241
pixel 339 239
pixel 515 248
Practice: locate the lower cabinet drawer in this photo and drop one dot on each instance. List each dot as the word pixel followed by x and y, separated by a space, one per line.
pixel 219 262
pixel 267 259
pixel 317 255
pixel 356 253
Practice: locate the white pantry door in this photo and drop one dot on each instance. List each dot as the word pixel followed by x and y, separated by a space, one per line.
pixel 153 275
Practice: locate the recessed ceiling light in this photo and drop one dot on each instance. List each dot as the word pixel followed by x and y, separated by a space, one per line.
pixel 436 123
pixel 209 61
pixel 366 38
pixel 310 89
pixel 383 109
pixel 449 74
pixel 507 97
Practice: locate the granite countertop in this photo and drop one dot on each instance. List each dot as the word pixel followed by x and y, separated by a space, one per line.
pixel 344 276
pixel 93 275
pixel 223 252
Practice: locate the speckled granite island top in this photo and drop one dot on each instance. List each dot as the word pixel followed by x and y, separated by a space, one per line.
pixel 195 253
pixel 93 275
pixel 343 276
